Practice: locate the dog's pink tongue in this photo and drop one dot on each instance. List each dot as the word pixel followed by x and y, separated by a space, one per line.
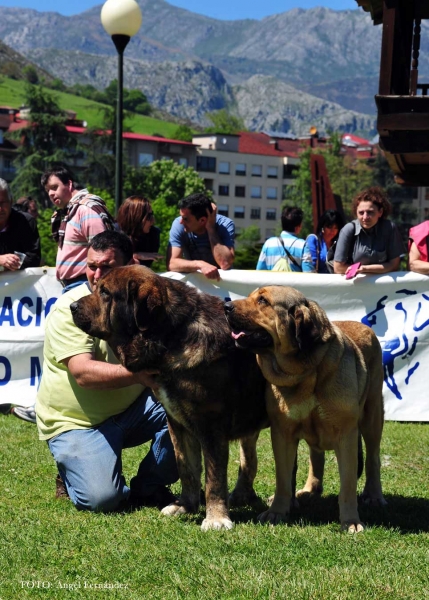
pixel 237 335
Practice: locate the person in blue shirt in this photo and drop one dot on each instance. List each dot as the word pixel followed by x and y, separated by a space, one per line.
pixel 319 243
pixel 274 249
pixel 200 239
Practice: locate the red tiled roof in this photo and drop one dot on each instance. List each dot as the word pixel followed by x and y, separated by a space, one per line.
pixel 127 135
pixel 354 139
pixel 261 143
pixel 151 138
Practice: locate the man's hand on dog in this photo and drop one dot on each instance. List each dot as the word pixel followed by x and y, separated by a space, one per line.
pixel 148 378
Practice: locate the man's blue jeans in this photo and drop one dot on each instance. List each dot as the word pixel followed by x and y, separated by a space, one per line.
pixel 90 460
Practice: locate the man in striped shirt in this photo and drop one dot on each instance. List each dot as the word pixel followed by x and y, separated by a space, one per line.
pixel 273 249
pixel 78 218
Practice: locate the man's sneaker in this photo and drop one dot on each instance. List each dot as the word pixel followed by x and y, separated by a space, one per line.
pixel 26 414
pixel 60 488
pixel 160 498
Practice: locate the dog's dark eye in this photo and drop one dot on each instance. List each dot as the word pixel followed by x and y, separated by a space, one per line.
pixel 104 293
pixel 263 300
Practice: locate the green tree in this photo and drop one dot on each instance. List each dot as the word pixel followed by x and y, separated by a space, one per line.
pixel 183 133
pixel 136 101
pixel 248 247
pixel 44 141
pixel 30 74
pixel 164 182
pixel 48 245
pixel 223 122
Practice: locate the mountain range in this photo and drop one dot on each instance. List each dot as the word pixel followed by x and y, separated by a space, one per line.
pixel 285 72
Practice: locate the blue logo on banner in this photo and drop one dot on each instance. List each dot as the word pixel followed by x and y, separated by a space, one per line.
pixel 404 344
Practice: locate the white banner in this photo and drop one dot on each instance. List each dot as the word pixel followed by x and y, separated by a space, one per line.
pixel 25 300
pixel 396 306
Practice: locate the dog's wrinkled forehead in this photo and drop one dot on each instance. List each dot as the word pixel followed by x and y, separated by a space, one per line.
pixel 280 295
pixel 117 279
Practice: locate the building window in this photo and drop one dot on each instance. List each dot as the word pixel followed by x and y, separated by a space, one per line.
pixel 223 209
pixel 206 163
pixel 272 193
pixel 256 191
pixel 145 159
pixel 288 171
pixel 271 214
pixel 238 212
pixel 240 169
pixel 224 168
pixel 223 190
pixel 256 170
pixel 240 191
pixel 183 162
pixel 255 213
pixel 272 172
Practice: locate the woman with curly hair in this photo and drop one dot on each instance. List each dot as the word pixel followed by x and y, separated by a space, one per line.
pixel 371 239
pixel 135 218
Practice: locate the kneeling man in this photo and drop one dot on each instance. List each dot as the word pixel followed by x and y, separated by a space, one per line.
pixel 89 408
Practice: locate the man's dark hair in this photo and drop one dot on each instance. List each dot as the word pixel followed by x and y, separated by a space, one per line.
pixel 291 217
pixel 113 239
pixel 61 171
pixel 198 204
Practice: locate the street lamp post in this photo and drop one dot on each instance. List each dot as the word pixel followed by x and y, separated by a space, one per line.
pixel 121 19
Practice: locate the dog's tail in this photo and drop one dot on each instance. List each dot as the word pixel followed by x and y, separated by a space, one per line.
pixel 360 455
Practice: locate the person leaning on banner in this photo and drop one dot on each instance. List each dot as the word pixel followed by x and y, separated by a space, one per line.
pixel 19 237
pixel 418 248
pixel 287 247
pixel 371 239
pixel 79 216
pixel 200 239
pixel 322 243
pixel 89 407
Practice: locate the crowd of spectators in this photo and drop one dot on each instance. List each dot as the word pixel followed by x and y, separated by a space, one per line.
pixel 202 240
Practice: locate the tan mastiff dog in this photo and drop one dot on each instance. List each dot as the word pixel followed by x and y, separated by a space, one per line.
pixel 325 387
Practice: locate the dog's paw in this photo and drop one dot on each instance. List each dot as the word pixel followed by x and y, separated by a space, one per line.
pixel 243 497
pixel 294 504
pixel 174 510
pixel 273 518
pixel 217 524
pixel 370 500
pixel 306 494
pixel 353 526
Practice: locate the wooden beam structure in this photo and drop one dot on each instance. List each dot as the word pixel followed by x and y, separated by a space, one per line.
pixel 402 100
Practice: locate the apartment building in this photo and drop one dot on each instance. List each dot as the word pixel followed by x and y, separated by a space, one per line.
pixel 248 174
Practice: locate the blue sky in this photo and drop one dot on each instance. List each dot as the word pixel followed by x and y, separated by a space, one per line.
pixel 219 9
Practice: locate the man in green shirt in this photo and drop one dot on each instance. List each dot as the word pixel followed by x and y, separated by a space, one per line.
pixel 89 407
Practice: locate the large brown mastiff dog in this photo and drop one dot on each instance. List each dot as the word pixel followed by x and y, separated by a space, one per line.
pixel 212 392
pixel 326 386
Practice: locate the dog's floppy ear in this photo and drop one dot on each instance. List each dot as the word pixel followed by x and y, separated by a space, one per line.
pixel 144 300
pixel 312 326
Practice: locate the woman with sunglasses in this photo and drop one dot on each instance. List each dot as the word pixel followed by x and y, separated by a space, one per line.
pixel 135 218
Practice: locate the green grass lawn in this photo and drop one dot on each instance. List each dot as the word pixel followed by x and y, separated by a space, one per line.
pixel 12 93
pixel 50 550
